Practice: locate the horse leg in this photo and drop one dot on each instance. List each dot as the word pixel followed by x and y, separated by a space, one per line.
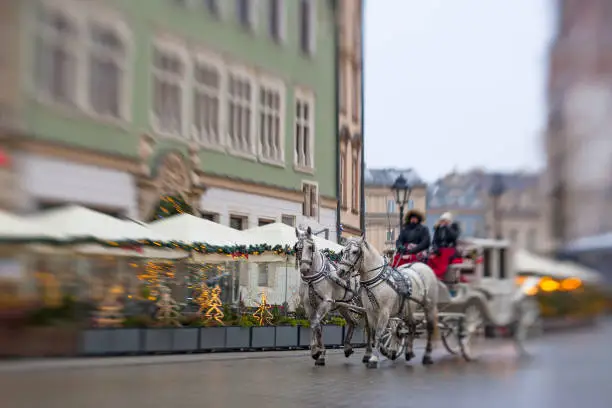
pixel 369 341
pixel 409 353
pixel 350 328
pixel 380 325
pixel 431 316
pixel 317 331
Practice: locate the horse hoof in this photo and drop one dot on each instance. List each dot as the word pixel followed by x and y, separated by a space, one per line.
pixel 348 352
pixel 393 356
pixel 427 360
pixel 409 355
pixel 372 364
pixel 365 359
pixel 320 362
pixel 316 355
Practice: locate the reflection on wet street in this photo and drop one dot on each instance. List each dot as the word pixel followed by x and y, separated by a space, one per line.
pixel 568 370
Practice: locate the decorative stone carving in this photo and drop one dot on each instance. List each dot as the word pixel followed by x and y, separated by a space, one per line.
pixel 174 177
pixel 145 150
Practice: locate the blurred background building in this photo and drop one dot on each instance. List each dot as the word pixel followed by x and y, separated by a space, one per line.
pixel 382 212
pixel 578 143
pixel 350 63
pixel 227 106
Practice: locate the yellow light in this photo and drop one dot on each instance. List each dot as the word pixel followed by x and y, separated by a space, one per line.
pixel 520 280
pixel 532 291
pixel 570 284
pixel 549 285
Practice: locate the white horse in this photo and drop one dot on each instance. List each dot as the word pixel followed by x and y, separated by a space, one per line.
pixel 320 288
pixel 387 292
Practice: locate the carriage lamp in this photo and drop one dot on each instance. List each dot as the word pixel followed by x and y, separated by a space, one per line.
pixel 402 191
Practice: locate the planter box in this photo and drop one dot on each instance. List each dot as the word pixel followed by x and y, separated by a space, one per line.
pixel 39 341
pixel 185 339
pixel 212 338
pixel 110 341
pixel 305 335
pixel 158 340
pixel 237 337
pixel 263 336
pixel 286 336
pixel 333 335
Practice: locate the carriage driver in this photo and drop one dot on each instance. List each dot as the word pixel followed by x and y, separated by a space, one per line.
pixel 414 238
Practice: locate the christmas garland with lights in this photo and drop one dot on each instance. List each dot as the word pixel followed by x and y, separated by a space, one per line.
pixel 235 251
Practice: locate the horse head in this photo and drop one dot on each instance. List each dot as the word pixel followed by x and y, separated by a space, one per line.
pixel 358 257
pixel 305 250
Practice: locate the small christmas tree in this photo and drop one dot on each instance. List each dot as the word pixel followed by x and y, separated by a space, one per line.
pixel 263 314
pixel 168 309
pixel 109 312
pixel 204 299
pixel 214 312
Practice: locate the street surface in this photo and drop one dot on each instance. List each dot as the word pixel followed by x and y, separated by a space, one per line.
pixel 569 370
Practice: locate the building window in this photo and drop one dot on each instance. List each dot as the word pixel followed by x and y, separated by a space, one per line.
pixel 206 104
pixel 210 216
pixel 307 26
pixel 304 138
pixel 355 186
pixel 391 235
pixel 264 221
pixel 311 198
pixel 245 13
pixel 107 68
pixel 56 63
pixel 270 123
pixel 212 6
pixel 356 94
pixel 240 100
pixel 410 204
pixel 169 77
pixel 263 275
pixel 390 206
pixel 277 19
pixel 288 220
pixel 238 222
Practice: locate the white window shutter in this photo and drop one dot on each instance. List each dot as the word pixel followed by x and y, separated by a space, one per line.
pixel 282 20
pixel 313 27
pixel 253 14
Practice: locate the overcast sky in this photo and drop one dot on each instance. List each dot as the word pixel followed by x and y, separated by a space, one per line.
pixel 455 84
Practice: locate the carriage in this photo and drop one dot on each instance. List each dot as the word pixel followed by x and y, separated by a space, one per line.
pixel 480 295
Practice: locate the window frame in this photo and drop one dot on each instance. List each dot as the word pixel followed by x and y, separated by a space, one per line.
pixel 304 96
pixel 278 31
pixel 292 217
pixel 203 58
pixel 244 220
pixel 242 74
pixel 307 45
pixel 278 86
pixel 310 210
pixel 180 51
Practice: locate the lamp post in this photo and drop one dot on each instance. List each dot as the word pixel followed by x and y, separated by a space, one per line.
pixel 402 191
pixel 496 190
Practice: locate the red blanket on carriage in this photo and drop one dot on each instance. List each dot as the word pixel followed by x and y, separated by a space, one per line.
pixel 439 262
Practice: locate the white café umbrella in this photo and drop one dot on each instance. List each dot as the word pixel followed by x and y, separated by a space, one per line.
pixel 14 227
pixel 191 229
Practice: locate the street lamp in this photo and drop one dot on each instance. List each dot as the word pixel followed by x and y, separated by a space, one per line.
pixel 402 191
pixel 496 190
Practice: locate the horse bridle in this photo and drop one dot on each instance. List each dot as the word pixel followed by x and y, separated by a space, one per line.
pixel 359 259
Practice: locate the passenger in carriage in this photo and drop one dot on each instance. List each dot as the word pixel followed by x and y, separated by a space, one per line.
pixel 414 239
pixel 443 250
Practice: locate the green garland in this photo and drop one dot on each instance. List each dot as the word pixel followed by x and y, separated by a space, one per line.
pixel 236 251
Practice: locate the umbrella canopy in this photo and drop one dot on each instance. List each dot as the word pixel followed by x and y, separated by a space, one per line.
pixel 76 222
pixel 189 229
pixel 526 262
pixel 281 234
pixel 14 227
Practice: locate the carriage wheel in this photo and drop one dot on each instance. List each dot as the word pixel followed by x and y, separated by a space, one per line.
pixel 449 332
pixel 472 330
pixel 528 325
pixel 392 343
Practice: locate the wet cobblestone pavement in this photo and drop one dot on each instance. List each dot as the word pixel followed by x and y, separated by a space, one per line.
pixel 568 370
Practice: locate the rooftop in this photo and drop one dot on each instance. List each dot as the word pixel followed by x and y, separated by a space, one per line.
pixel 386 177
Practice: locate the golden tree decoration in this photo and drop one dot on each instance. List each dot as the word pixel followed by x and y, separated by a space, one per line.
pixel 109 312
pixel 203 300
pixel 262 314
pixel 156 274
pixel 168 308
pixel 214 312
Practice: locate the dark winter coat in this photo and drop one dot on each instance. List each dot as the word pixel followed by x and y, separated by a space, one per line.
pixel 416 234
pixel 445 236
